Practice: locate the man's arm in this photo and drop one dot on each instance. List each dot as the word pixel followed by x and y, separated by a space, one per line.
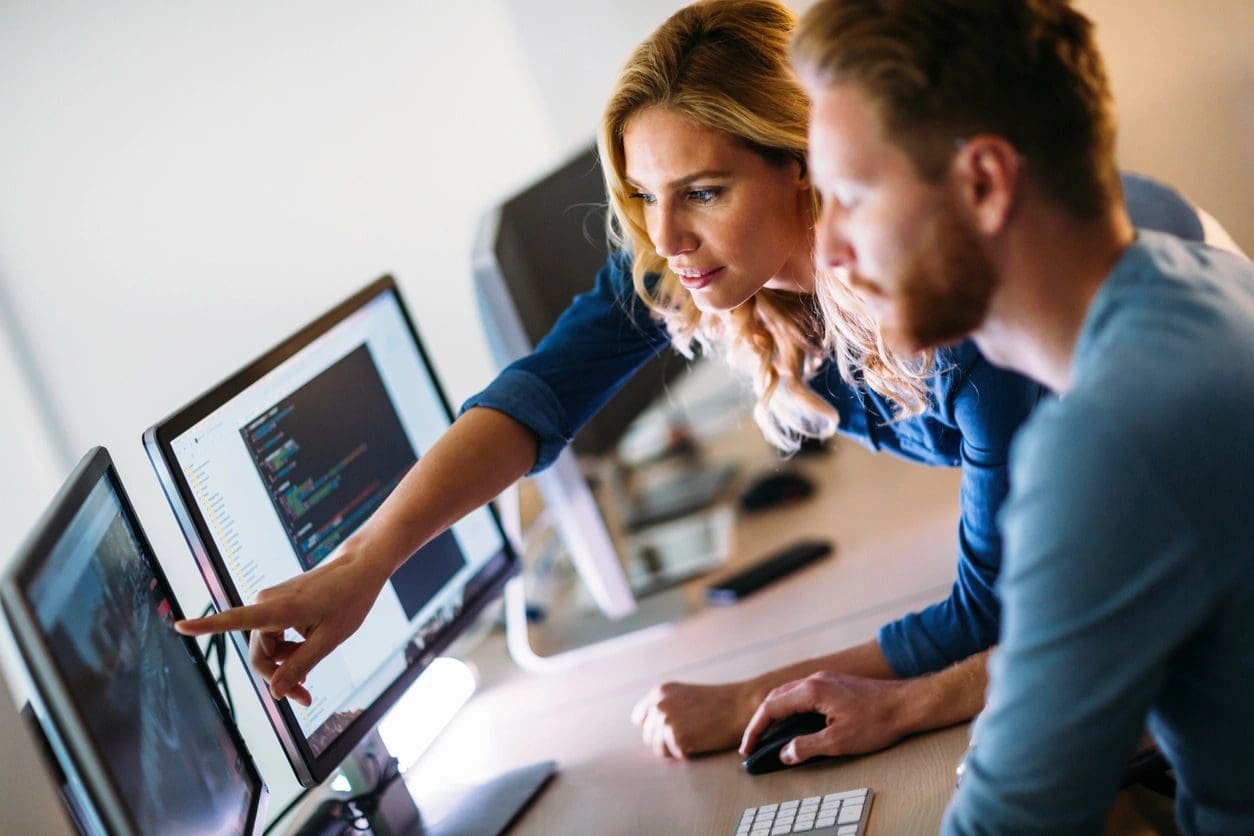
pixel 865 715
pixel 681 719
pixel 869 708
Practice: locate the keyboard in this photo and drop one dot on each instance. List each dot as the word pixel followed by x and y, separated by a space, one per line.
pixel 835 814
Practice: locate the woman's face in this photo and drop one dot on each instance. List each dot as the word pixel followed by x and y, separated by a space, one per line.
pixel 727 221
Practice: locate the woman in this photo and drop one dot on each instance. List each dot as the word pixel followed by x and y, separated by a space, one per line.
pixel 703 145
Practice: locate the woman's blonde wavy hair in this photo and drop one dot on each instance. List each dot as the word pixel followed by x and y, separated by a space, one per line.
pixel 725 64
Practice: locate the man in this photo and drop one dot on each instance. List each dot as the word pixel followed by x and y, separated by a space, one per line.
pixel 964 152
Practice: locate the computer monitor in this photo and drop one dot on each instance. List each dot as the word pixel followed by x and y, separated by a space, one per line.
pixel 271 470
pixel 128 706
pixel 534 253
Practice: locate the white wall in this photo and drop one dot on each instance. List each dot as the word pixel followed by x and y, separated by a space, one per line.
pixel 183 187
pixel 31 460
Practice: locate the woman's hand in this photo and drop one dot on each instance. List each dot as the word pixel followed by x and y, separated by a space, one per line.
pixel 325 606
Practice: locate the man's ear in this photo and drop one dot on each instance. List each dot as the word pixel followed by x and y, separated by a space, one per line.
pixel 986 171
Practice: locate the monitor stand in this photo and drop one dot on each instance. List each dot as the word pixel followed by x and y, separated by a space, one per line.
pixel 487 809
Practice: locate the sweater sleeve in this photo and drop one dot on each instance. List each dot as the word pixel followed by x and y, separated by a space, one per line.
pixel 988 406
pixel 595 346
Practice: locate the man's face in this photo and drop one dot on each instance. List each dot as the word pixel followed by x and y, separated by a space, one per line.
pixel 898 241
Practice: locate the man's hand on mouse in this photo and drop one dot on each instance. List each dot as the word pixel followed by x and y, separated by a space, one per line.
pixel 863 715
pixel 679 720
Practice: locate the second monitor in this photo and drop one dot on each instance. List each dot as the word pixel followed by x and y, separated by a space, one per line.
pixel 269 472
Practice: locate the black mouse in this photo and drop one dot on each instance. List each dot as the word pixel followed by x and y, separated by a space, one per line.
pixel 765 756
pixel 776 489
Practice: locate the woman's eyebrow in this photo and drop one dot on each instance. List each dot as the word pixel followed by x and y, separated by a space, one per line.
pixel 704 174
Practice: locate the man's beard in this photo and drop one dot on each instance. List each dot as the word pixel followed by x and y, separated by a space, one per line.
pixel 944 290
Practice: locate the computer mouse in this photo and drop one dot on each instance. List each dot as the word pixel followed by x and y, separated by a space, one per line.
pixel 776 489
pixel 765 756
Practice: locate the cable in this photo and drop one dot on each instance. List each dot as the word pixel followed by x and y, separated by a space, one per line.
pixel 215 654
pixel 358 808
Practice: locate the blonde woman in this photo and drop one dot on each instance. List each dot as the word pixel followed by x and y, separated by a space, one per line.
pixel 703 144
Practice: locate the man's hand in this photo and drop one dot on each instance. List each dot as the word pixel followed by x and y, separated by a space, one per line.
pixel 679 720
pixel 863 715
pixel 325 606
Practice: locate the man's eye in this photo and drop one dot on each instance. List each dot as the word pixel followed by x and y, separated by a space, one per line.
pixel 644 197
pixel 843 202
pixel 846 199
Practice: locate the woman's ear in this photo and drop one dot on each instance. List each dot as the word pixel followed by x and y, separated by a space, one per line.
pixel 986 171
pixel 803 171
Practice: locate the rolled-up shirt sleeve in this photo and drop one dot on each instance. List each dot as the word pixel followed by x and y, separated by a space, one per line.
pixel 594 348
pixel 988 406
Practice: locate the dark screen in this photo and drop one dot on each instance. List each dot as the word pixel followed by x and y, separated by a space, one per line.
pixel 548 244
pixel 145 702
pixel 329 454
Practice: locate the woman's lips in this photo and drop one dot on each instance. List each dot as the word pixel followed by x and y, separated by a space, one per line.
pixel 695 281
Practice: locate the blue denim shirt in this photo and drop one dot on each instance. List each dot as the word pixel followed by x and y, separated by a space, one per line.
pixel 607 334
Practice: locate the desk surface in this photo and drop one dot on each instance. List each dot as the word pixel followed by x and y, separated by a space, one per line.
pixel 608 776
pixel 895 525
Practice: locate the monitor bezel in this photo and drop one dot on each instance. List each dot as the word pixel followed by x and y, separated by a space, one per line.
pixel 58 715
pixel 309 768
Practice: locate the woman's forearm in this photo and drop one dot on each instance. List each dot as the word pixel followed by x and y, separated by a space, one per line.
pixel 482 454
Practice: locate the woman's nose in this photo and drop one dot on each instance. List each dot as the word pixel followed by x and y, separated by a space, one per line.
pixel 671 237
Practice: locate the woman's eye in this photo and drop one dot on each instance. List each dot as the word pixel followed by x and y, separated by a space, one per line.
pixel 643 197
pixel 704 195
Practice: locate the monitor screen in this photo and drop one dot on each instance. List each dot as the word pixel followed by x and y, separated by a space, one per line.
pixel 271 471
pixel 129 702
